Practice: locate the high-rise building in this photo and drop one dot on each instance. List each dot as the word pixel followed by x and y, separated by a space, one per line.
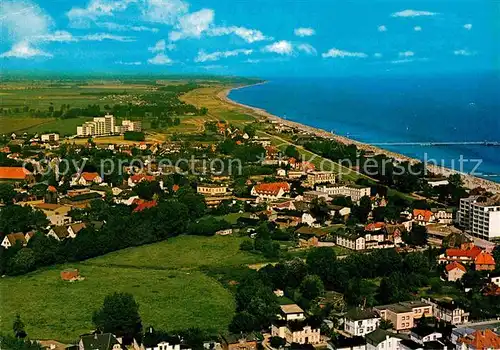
pixel 99 126
pixel 480 216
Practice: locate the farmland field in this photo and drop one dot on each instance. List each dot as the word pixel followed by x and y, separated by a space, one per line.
pixel 166 278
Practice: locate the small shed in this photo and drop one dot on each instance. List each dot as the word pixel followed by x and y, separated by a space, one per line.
pixel 70 275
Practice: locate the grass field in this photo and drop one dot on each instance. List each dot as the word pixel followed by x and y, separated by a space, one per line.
pixel 170 280
pixel 182 253
pixel 13 124
pixel 170 300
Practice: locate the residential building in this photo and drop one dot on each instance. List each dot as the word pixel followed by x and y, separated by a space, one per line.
pixel 319 177
pixel 52 137
pixel 239 342
pixel 16 174
pixel 296 332
pixel 291 312
pixel 99 126
pixel 270 191
pixel 443 216
pixel 105 341
pixel 480 216
pixel 381 339
pixel 424 334
pixel 13 238
pixel 455 271
pixel 128 125
pixel 423 217
pixel 309 196
pixel 446 310
pixel 356 192
pixel 86 179
pixel 402 315
pixel 133 180
pixel 359 322
pixel 63 232
pixel 479 340
pixel 59 220
pixel 484 262
pixel 466 254
pixel 212 189
pixel 351 241
pixel 495 279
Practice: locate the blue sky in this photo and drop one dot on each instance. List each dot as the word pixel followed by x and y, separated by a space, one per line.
pixel 257 38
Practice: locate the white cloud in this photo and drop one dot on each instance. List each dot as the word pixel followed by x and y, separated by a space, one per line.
pixel 382 28
pixel 57 36
pixel 125 27
pixel 333 53
pixel 468 26
pixel 253 61
pixel 82 16
pixel 406 60
pixel 282 47
pixel 105 36
pixel 164 11
pixel 417 28
pixel 192 25
pixel 407 54
pixel 22 19
pixel 413 13
pixel 24 50
pixel 307 48
pixel 249 35
pixel 160 46
pixel 217 55
pixel 134 63
pixel 377 55
pixel 160 59
pixel 304 32
pixel 463 52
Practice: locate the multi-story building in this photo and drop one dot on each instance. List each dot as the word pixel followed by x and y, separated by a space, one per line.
pixel 480 216
pixel 356 192
pixel 296 332
pixel 402 315
pixel 52 137
pixel 351 241
pixel 99 126
pixel 448 311
pixel 128 125
pixel 359 322
pixel 212 189
pixel 318 177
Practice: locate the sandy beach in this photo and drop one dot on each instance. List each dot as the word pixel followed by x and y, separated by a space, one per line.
pixel 470 181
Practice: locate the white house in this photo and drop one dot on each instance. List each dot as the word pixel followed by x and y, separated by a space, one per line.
pixel 309 220
pixel 270 191
pixel 12 238
pixel 382 340
pixel 291 312
pixel 359 322
pixel 423 335
pixel 68 231
pixel 86 179
pixel 59 220
pixel 351 241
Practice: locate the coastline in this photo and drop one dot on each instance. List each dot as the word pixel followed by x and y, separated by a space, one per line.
pixel 469 181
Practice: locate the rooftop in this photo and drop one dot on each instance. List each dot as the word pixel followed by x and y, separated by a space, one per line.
pixel 291 309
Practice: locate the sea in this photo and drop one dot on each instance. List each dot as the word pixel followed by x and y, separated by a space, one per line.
pixel 404 114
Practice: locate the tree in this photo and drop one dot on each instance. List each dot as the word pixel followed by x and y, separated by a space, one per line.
pixel 243 322
pixel 319 209
pixel 277 342
pixel 312 287
pixel 119 315
pixel 18 327
pixel 417 236
pixel 385 324
pixel 250 130
pixel 291 151
pixel 7 193
pixel 13 343
pixel 321 261
pixel 364 208
pixel 23 261
pixel 246 245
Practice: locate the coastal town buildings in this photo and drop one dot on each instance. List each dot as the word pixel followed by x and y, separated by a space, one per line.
pixel 356 192
pixel 448 311
pixel 480 216
pixel 318 177
pixel 403 315
pixel 16 175
pixel 270 191
pixel 359 322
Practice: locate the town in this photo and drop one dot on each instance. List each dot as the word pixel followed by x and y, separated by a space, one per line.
pixel 243 234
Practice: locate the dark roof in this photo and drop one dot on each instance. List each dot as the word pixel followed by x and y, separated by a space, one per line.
pixel 359 314
pixel 410 344
pixel 235 338
pixel 434 345
pixel 61 231
pixel 379 335
pixel 343 342
pixel 423 331
pixel 99 341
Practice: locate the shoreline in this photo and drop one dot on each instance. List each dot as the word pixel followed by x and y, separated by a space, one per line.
pixel 469 181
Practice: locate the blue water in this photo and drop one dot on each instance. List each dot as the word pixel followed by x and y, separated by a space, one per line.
pixel 396 109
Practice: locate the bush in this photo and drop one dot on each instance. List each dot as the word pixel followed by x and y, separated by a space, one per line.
pixel 246 245
pixel 133 136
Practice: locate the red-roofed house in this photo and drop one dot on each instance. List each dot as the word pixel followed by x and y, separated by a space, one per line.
pixel 270 191
pixel 423 217
pixel 375 226
pixel 479 340
pixel 135 179
pixel 16 174
pixel 86 179
pixel 455 271
pixel 142 205
pixel 464 255
pixel 484 261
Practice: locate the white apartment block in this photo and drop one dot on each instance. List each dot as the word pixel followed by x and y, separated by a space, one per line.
pixel 99 126
pixel 316 177
pixel 480 216
pixel 353 191
pixel 128 125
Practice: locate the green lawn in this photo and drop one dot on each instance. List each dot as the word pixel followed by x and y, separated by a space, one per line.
pixel 62 126
pixel 182 252
pixel 170 300
pixel 176 283
pixel 9 125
